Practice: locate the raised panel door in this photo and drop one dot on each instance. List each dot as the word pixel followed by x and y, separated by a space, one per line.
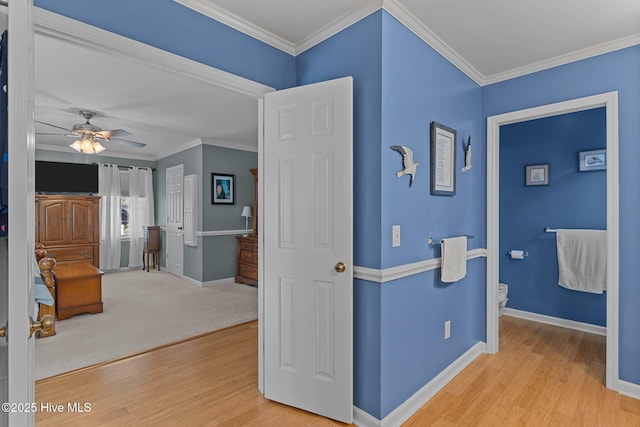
pixel 80 221
pixel 52 229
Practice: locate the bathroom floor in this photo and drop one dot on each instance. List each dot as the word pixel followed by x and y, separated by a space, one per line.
pixel 543 375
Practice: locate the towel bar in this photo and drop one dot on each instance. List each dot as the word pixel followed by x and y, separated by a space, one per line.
pixel 550 230
pixel 431 241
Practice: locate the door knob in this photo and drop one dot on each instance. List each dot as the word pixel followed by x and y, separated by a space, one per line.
pixel 340 267
pixel 46 325
pixel 3 331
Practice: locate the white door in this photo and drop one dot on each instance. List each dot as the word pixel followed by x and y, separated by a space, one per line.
pixel 175 203
pixel 19 358
pixel 307 193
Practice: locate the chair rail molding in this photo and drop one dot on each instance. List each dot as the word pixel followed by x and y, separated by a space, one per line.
pixel 406 270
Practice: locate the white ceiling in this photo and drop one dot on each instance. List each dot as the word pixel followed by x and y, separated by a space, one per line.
pixel 490 40
pixel 162 109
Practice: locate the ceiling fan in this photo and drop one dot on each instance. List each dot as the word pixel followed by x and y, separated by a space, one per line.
pixel 89 136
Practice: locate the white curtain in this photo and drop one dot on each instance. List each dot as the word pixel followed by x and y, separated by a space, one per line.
pixel 109 189
pixel 141 213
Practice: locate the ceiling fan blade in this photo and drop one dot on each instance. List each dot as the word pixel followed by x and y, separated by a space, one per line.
pixel 108 134
pixel 127 142
pixel 55 126
pixel 51 134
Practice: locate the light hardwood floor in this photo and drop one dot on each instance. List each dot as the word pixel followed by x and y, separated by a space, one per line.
pixel 543 375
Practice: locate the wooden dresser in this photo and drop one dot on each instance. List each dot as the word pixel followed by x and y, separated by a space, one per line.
pixel 247 271
pixel 69 227
pixel 247 259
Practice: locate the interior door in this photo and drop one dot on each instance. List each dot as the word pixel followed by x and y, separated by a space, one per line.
pixel 18 363
pixel 307 238
pixel 175 203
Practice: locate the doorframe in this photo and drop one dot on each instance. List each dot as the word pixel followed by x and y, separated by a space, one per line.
pixel 21 170
pixel 609 100
pixel 61 27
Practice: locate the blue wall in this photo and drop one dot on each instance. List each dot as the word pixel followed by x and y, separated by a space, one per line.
pixel 573 199
pixel 356 51
pixel 420 86
pixel 615 71
pixel 170 26
pixel 400 86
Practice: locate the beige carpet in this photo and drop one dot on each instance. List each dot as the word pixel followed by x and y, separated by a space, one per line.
pixel 141 311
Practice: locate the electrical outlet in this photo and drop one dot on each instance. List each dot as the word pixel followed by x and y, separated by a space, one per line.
pixel 447 329
pixel 395 232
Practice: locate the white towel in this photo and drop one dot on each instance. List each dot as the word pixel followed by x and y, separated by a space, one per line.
pixel 454 259
pixel 582 260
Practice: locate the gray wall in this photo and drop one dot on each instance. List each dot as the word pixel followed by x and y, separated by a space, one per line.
pixel 220 251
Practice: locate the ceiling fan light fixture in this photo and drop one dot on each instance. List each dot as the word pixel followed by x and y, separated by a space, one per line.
pixel 97 147
pixel 87 145
pixel 76 145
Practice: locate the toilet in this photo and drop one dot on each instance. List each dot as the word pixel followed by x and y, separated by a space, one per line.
pixel 503 289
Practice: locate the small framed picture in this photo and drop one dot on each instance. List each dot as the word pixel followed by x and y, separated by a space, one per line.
pixel 536 174
pixel 595 160
pixel 223 189
pixel 443 160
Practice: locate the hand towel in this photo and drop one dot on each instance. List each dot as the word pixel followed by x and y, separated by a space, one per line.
pixel 582 260
pixel 454 259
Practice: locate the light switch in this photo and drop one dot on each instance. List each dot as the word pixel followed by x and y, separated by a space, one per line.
pixel 395 230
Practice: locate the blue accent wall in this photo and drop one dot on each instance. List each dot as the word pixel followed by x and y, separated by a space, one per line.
pixel 400 86
pixel 356 51
pixel 615 71
pixel 170 26
pixel 420 86
pixel 573 199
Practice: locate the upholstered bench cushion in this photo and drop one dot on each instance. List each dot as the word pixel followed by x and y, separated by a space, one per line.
pixel 42 294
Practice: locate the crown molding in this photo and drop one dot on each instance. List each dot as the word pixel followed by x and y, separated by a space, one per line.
pixel 76 32
pixel 234 21
pixel 228 144
pixel 409 20
pixel 574 56
pixel 175 150
pixel 238 23
pixel 338 25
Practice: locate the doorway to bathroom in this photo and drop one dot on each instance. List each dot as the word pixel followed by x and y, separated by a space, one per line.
pixel 608 102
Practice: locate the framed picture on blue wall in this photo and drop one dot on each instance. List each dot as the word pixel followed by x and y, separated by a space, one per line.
pixel 223 189
pixel 443 160
pixel 595 160
pixel 536 174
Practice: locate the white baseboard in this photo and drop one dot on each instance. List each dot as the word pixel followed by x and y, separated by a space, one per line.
pixel 364 419
pixel 629 389
pixel 219 282
pixel 210 282
pixel 556 321
pixel 422 396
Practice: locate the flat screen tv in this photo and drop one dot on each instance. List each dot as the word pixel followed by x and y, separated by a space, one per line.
pixel 58 177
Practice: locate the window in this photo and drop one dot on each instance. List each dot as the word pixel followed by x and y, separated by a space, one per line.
pixel 124 216
pixel 125 203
